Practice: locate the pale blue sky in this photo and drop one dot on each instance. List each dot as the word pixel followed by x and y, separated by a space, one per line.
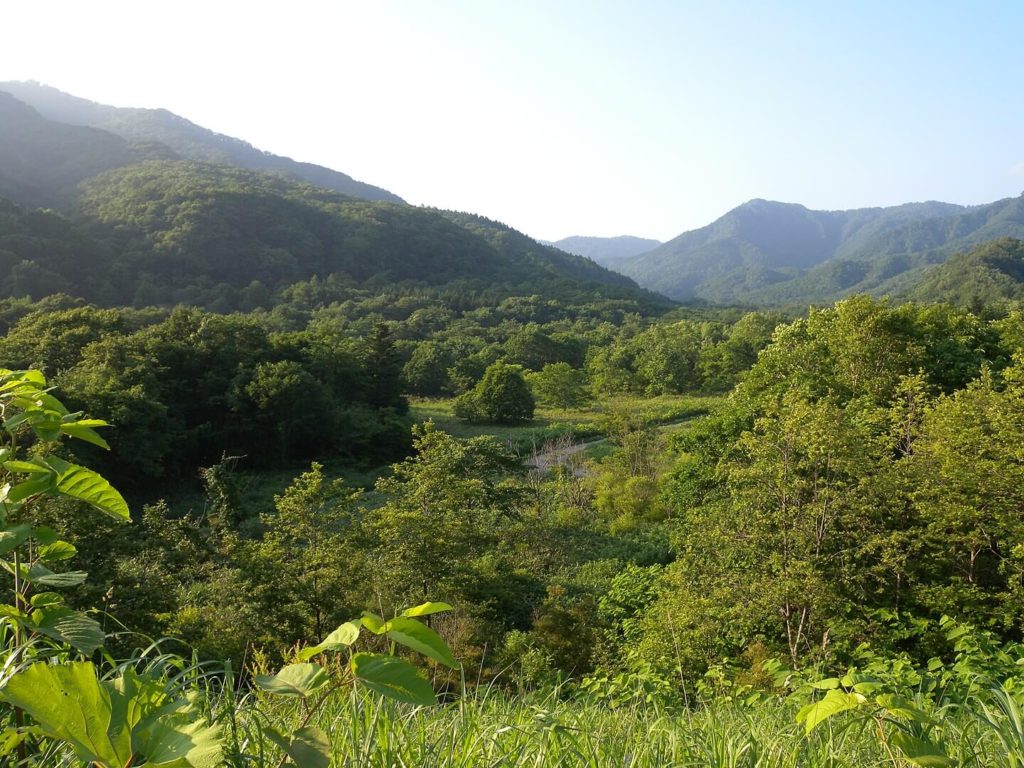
pixel 559 118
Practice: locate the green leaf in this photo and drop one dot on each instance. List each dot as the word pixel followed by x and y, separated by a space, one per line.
pixel 392 677
pixel 29 467
pixel 68 703
pixel 68 626
pixel 299 680
pixel 88 486
pixel 426 609
pixel 42 483
pixel 343 636
pixel 13 536
pixel 372 622
pixel 421 638
pixel 51 403
pixel 897 706
pixel 81 432
pixel 57 551
pixel 170 743
pixel 44 577
pixel 827 684
pixel 309 748
pixel 44 599
pixel 835 701
pixel 338 640
pixel 921 752
pixel 10 739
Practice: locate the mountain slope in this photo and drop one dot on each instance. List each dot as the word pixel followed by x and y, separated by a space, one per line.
pixel 165 232
pixel 992 273
pixel 773 253
pixel 606 251
pixel 42 161
pixel 186 139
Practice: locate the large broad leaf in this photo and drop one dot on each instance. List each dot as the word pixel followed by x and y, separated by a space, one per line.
pixel 13 536
pixel 372 622
pixel 921 752
pixel 835 701
pixel 426 609
pixel 83 430
pixel 392 677
pixel 897 706
pixel 86 485
pixel 173 743
pixel 35 485
pixel 295 680
pixel 57 551
pixel 68 703
pixel 341 638
pixel 308 747
pixel 44 577
pixel 68 626
pixel 421 638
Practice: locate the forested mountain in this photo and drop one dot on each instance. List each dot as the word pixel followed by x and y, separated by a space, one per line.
pixel 183 137
pixel 42 161
pixel 988 275
pixel 167 232
pixel 606 251
pixel 776 253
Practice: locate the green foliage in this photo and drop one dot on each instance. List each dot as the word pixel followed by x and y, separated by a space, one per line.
pixel 560 385
pixel 767 253
pixel 129 720
pixel 502 396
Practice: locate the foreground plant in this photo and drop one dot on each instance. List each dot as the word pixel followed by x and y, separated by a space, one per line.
pixel 129 721
pixel 313 684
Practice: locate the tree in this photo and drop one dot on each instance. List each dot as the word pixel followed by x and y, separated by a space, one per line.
pixel 305 559
pixel 426 373
pixel 502 396
pixel 446 506
pixel 560 385
pixel 384 370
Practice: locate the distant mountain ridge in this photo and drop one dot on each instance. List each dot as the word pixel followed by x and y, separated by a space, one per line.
pixel 606 251
pixel 182 137
pixel 766 252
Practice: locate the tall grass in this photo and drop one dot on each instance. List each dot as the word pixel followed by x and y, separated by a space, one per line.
pixel 491 729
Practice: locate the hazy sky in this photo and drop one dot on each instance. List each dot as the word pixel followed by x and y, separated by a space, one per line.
pixel 558 117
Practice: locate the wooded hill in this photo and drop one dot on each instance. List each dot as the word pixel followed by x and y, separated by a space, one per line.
pixel 141 224
pixel 771 253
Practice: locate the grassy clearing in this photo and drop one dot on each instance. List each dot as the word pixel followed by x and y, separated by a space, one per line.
pixel 551 423
pixel 257 488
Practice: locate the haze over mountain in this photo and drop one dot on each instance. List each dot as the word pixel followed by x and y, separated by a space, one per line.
pixel 183 137
pixel 765 252
pixel 606 251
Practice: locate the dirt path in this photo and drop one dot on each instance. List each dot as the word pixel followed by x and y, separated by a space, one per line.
pixel 562 451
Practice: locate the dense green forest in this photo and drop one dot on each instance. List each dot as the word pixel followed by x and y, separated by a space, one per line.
pixel 848 503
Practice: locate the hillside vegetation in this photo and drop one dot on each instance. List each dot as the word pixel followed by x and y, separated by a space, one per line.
pixel 990 275
pixel 167 232
pixel 774 253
